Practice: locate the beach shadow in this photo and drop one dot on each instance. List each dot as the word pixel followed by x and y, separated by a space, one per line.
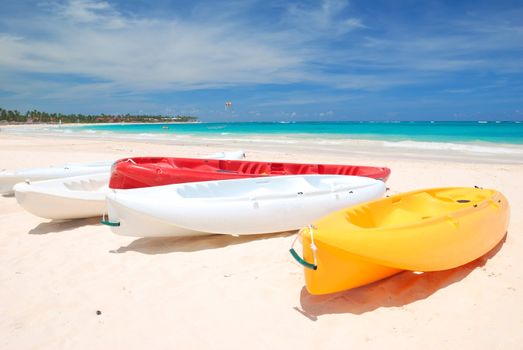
pixel 395 291
pixel 8 195
pixel 165 245
pixel 55 226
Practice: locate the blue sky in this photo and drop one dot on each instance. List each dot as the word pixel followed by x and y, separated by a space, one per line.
pixel 275 60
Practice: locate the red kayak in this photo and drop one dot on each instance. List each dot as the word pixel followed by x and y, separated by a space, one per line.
pixel 157 171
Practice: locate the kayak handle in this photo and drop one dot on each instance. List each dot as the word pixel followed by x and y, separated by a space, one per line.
pixel 109 223
pixel 313 248
pixel 302 261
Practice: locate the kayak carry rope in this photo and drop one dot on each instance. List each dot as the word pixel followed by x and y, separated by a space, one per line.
pixel 313 248
pixel 107 222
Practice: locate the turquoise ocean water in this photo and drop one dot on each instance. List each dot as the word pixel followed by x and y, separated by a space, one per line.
pixel 454 132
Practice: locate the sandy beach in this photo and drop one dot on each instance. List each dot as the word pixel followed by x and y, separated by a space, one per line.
pixel 226 292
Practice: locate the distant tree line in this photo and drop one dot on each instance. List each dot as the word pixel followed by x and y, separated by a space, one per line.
pixel 55 118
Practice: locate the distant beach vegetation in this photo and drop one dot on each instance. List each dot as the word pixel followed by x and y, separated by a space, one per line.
pixel 34 116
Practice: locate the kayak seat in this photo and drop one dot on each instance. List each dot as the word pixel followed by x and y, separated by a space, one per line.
pixel 407 209
pixel 277 168
pixel 458 196
pixel 205 167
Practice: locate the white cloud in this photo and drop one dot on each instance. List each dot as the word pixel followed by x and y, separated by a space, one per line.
pixel 86 10
pixel 476 44
pixel 90 38
pixel 325 20
pixel 326 114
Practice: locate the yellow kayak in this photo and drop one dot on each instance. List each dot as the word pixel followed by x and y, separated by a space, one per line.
pixel 424 230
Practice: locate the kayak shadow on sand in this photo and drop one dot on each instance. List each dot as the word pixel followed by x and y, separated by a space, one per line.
pixel 165 245
pixel 55 226
pixel 404 288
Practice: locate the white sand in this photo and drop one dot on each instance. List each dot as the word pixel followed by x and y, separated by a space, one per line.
pixel 223 292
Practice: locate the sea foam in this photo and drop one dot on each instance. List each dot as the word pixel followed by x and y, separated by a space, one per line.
pixel 461 147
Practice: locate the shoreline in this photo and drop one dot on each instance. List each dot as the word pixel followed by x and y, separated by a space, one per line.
pixel 88 124
pixel 479 151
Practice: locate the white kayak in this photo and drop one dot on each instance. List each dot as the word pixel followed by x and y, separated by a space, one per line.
pixel 9 178
pixel 65 198
pixel 231 155
pixel 75 197
pixel 237 207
